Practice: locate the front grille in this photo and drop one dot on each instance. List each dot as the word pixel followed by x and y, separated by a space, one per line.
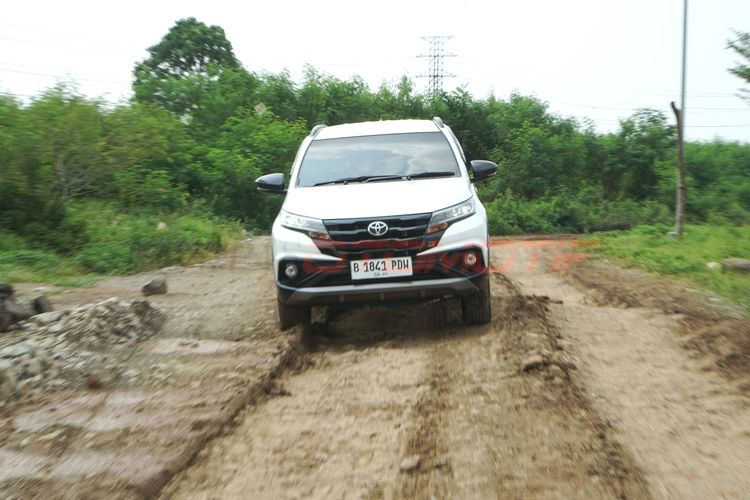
pixel 351 240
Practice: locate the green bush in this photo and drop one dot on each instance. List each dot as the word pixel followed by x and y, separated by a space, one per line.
pixel 10 241
pixel 119 241
pixel 568 213
pixel 628 213
pixel 63 236
pixel 141 187
pixel 107 258
pixel 39 265
pixel 29 258
pixel 105 240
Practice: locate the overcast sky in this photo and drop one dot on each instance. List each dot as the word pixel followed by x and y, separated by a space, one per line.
pixel 597 59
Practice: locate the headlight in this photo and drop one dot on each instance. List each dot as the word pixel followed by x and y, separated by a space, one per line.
pixel 314 228
pixel 443 218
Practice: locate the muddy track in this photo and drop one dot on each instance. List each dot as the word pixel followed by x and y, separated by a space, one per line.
pixel 407 403
pixel 590 382
pixel 665 368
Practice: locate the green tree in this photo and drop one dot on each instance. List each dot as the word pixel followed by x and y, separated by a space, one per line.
pixel 400 101
pixel 24 185
pixel 189 54
pixel 50 152
pixel 326 99
pixel 633 155
pixel 68 135
pixel 251 144
pixel 741 45
pixel 538 153
pixel 279 94
pixel 149 152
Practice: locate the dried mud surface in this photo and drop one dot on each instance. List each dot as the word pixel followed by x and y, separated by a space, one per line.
pixel 218 351
pixel 712 329
pixel 665 367
pixel 590 382
pixel 407 403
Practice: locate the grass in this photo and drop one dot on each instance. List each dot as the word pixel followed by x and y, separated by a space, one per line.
pixel 37 266
pixel 649 248
pixel 109 241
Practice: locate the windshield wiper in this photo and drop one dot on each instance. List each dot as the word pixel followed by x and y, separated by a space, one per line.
pixel 376 178
pixel 424 175
pixel 361 178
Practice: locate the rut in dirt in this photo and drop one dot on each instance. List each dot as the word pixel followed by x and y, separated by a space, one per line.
pixel 656 360
pixel 406 403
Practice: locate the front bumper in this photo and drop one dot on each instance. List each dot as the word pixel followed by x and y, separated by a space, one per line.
pixel 439 271
pixel 380 292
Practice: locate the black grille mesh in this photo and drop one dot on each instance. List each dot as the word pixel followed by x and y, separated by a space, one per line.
pixel 350 238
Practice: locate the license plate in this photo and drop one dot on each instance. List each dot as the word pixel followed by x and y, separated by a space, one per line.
pixel 381 268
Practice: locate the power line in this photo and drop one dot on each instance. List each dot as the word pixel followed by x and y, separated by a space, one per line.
pixel 58 76
pixel 56 46
pixel 435 57
pixel 65 35
pixel 719 126
pixel 544 78
pixel 609 108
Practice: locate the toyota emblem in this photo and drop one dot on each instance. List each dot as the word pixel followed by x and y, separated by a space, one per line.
pixel 377 228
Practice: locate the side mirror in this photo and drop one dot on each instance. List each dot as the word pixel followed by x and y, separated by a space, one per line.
pixel 271 183
pixel 483 170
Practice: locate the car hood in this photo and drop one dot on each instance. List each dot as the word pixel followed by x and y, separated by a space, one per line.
pixel 377 199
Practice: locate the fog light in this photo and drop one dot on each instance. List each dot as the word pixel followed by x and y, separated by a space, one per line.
pixel 291 271
pixel 470 259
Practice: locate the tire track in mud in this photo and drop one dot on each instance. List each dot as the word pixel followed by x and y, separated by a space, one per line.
pixel 426 439
pixel 677 407
pixel 488 428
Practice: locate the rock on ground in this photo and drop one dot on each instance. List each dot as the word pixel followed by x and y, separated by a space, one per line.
pixel 47 318
pixel 155 286
pixel 410 463
pixel 41 304
pixel 17 311
pixel 5 317
pixel 533 362
pixel 736 264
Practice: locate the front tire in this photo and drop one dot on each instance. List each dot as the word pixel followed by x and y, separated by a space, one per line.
pixel 291 315
pixel 477 309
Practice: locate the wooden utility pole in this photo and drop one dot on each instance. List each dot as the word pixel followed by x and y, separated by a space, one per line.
pixel 679 215
pixel 679 209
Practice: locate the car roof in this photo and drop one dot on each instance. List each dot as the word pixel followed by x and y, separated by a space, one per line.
pixel 376 128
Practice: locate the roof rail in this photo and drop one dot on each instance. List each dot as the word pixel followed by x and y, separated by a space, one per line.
pixel 438 121
pixel 316 129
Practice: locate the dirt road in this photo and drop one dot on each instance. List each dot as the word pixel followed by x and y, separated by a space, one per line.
pixel 154 408
pixel 590 382
pixel 562 396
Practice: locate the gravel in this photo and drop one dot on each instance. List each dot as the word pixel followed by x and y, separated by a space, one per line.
pixel 59 349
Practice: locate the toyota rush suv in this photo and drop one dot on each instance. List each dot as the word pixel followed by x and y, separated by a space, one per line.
pixel 380 212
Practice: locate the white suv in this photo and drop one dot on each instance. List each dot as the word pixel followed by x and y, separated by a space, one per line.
pixel 380 212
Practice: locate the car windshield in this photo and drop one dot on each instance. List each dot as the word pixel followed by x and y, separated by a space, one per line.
pixel 377 157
